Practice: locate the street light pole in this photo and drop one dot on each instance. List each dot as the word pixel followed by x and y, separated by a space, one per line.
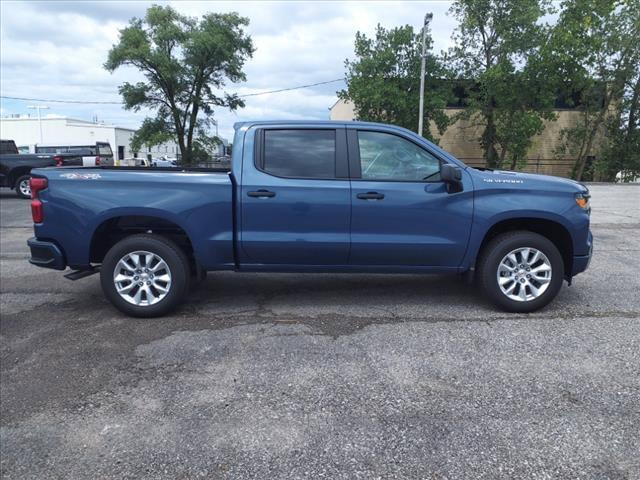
pixel 217 137
pixel 38 108
pixel 427 19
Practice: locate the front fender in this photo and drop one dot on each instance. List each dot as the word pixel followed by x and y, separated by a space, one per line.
pixel 482 225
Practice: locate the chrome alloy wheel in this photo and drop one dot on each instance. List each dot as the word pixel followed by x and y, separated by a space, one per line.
pixel 142 278
pixel 25 188
pixel 524 274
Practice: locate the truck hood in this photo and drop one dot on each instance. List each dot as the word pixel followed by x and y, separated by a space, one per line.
pixel 495 178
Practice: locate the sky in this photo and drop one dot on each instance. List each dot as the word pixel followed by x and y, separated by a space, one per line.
pixel 56 50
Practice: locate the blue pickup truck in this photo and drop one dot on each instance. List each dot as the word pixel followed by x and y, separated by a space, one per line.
pixel 312 197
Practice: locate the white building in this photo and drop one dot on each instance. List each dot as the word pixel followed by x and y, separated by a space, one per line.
pixel 52 130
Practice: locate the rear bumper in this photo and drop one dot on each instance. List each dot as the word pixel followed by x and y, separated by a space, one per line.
pixel 581 262
pixel 46 254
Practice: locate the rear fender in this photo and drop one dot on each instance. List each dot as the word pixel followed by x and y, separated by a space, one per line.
pixel 144 212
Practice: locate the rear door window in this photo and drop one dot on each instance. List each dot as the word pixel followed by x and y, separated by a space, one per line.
pixel 301 153
pixel 104 149
pixel 7 147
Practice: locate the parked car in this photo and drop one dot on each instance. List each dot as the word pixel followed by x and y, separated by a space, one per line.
pixel 142 162
pixel 627 176
pixel 312 197
pixel 163 162
pixel 15 167
pixel 92 155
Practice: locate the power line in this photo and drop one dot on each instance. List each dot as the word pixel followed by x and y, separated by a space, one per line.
pixel 97 102
pixel 292 88
pixel 60 101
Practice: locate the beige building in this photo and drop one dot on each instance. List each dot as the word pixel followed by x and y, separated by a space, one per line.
pixel 461 140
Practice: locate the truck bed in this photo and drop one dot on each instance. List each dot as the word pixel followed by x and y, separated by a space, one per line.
pixel 78 203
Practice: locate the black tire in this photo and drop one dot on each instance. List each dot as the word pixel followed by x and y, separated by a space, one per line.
pixel 497 249
pixel 19 192
pixel 168 251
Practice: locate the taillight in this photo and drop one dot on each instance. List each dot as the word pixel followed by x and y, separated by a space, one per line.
pixel 36 211
pixel 36 185
pixel 58 160
pixel 98 160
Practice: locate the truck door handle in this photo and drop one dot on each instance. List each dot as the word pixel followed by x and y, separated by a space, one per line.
pixel 262 194
pixel 370 196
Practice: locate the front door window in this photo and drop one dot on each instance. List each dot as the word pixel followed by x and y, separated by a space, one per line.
pixel 386 157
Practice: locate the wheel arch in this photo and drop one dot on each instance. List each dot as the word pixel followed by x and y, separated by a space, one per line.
pixel 118 226
pixel 553 230
pixel 16 173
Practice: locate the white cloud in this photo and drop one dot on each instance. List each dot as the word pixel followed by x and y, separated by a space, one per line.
pixel 57 49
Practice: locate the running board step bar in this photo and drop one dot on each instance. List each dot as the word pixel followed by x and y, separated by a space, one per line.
pixel 78 274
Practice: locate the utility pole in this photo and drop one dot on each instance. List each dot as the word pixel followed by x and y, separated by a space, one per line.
pixel 427 19
pixel 38 108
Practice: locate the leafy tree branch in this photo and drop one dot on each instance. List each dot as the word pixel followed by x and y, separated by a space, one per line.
pixel 186 62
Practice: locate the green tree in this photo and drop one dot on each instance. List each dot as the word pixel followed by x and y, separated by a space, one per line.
pixel 186 63
pixel 383 81
pixel 153 131
pixel 622 152
pixel 497 46
pixel 595 45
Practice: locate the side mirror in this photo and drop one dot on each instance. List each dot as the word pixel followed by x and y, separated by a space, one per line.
pixel 450 173
pixel 452 176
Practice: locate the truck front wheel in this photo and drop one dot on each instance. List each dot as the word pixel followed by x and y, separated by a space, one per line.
pixel 145 275
pixel 520 271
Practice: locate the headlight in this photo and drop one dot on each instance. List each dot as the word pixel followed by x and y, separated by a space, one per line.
pixel 582 199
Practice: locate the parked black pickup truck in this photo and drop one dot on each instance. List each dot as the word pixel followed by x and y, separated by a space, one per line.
pixel 15 167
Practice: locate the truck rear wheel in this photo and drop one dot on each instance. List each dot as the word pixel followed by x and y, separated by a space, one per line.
pixel 145 275
pixel 520 271
pixel 23 188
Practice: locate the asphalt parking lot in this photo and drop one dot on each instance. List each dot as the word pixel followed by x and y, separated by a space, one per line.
pixel 324 376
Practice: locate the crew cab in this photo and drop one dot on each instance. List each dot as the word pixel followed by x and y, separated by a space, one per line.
pixel 15 167
pixel 312 197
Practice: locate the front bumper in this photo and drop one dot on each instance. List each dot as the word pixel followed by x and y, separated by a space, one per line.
pixel 46 254
pixel 581 262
